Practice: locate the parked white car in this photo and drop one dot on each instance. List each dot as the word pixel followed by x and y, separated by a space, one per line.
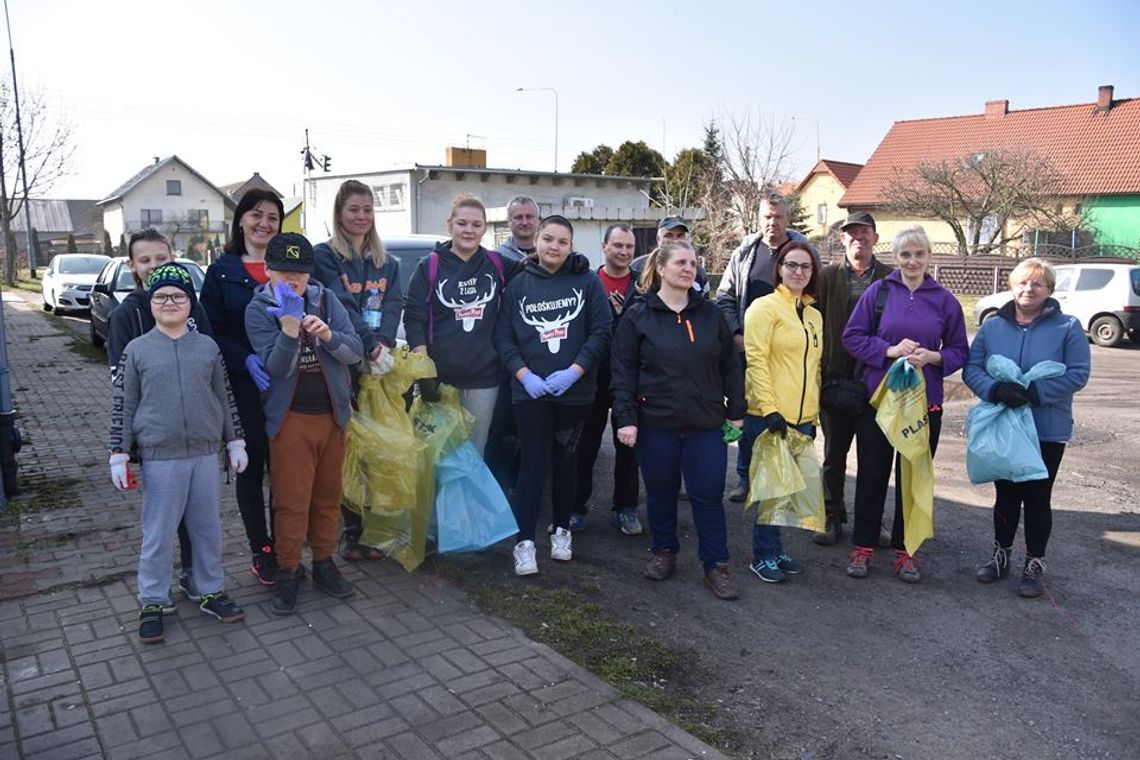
pixel 1104 296
pixel 67 281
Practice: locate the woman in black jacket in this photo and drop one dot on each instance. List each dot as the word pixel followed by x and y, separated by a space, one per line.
pixel 552 334
pixel 676 379
pixel 227 290
pixel 354 266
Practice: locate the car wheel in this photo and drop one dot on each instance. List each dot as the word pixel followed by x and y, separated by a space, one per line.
pixel 96 338
pixel 47 306
pixel 1134 336
pixel 1106 331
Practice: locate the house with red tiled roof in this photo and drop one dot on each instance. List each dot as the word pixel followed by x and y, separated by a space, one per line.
pixel 820 191
pixel 1095 147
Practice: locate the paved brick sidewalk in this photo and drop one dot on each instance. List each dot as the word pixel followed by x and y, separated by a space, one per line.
pixel 408 668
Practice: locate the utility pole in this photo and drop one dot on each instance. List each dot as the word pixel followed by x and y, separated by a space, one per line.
pixel 20 138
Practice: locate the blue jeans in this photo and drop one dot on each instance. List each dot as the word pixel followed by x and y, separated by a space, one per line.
pixel 766 542
pixel 700 456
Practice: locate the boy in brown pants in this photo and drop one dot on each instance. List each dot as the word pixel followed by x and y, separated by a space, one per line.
pixel 305 339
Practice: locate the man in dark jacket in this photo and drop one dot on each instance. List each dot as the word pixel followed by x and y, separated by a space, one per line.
pixel 617 279
pixel 840 286
pixel 750 274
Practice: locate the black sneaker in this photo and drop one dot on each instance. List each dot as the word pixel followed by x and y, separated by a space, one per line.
pixel 222 607
pixel 186 584
pixel 263 565
pixel 328 579
pixel 285 593
pixel 829 536
pixel 150 624
pixel 1032 578
pixel 738 494
pixel 998 566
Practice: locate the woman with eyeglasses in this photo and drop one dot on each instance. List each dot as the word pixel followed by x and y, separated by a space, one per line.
pixel 922 321
pixel 783 345
pixel 227 290
pixel 1030 329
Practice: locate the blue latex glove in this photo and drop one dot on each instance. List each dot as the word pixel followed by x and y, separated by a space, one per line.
pixel 535 386
pixel 289 304
pixel 559 382
pixel 256 369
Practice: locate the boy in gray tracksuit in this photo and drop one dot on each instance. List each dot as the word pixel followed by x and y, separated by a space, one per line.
pixel 171 397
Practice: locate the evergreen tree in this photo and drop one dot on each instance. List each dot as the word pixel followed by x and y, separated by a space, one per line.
pixel 71 246
pixel 108 249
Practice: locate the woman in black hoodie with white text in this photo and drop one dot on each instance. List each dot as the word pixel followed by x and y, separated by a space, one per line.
pixel 553 332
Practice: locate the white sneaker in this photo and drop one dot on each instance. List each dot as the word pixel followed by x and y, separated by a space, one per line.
pixel 525 562
pixel 560 545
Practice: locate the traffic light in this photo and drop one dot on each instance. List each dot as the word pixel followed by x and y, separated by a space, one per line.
pixel 327 163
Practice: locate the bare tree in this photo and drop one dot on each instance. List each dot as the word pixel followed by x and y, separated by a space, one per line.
pixel 48 149
pixel 753 156
pixel 987 198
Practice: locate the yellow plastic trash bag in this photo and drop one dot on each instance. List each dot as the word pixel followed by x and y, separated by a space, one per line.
pixel 785 483
pixel 903 417
pixel 441 425
pixel 384 462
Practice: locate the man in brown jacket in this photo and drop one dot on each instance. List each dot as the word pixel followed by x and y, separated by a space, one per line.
pixel 840 286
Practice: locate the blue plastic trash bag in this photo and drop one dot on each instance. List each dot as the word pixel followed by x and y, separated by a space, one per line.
pixel 1002 442
pixel 471 511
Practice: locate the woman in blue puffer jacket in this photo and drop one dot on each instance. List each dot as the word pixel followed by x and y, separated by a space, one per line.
pixel 1030 329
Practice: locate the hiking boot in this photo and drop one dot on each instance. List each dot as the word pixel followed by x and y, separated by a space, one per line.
pixel 525 561
pixel 560 545
pixel 830 533
pixel 263 565
pixel 1032 578
pixel 186 585
pixel 860 562
pixel 720 582
pixel 768 570
pixel 788 565
pixel 998 566
pixel 284 593
pixel 626 521
pixel 739 494
pixel 327 578
pixel 150 624
pixel 905 567
pixel 222 607
pixel 661 566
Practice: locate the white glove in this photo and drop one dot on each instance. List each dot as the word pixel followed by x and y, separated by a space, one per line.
pixel 382 364
pixel 239 460
pixel 120 476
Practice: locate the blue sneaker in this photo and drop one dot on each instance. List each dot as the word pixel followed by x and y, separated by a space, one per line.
pixel 788 565
pixel 626 521
pixel 577 523
pixel 768 570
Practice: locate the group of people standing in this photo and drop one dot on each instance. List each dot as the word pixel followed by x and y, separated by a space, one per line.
pixel 546 350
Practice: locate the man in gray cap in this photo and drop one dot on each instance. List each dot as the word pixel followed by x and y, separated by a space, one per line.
pixel 668 229
pixel 840 286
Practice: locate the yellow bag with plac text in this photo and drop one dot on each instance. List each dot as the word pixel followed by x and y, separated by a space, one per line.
pixel 904 418
pixel 784 482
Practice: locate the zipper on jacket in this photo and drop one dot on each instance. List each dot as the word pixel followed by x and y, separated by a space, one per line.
pixel 689 325
pixel 182 399
pixel 803 387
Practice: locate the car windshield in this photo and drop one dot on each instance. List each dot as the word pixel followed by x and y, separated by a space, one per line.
pixel 408 259
pixel 82 265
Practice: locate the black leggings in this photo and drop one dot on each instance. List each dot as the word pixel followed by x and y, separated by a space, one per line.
pixel 250 488
pixel 1037 496
pixel 548 434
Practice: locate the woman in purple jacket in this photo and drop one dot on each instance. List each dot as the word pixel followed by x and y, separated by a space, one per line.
pixel 922 321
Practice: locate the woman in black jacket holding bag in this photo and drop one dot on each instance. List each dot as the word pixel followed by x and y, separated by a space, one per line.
pixel 676 379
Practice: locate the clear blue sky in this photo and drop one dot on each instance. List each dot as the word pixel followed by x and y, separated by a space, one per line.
pixel 231 86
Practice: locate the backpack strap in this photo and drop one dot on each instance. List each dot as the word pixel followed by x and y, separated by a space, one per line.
pixel 497 262
pixel 880 306
pixel 433 277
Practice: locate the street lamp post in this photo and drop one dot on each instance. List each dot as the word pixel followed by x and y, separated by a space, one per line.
pixel 552 90
pixel 816 134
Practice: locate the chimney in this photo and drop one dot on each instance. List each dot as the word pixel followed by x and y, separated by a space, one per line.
pixel 468 158
pixel 996 109
pixel 1104 97
pixel 156 160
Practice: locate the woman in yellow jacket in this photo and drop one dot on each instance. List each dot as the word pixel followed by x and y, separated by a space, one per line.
pixel 783 345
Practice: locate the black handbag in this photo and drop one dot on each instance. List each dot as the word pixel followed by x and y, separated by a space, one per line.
pixel 845 396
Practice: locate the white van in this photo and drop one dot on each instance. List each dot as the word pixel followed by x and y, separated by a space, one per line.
pixel 1105 296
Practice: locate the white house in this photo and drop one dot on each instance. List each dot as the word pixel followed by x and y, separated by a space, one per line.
pixel 170 196
pixel 417 199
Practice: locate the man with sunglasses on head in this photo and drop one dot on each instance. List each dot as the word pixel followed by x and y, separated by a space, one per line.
pixel 750 274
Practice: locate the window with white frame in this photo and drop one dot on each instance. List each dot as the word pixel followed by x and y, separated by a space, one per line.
pixel 821 214
pixel 174 187
pixel 391 197
pixel 198 217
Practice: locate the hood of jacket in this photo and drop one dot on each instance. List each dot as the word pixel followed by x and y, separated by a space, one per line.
pixel 653 301
pixel 1008 311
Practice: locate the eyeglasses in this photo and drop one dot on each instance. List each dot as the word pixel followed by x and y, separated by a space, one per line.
pixel 178 299
pixel 792 266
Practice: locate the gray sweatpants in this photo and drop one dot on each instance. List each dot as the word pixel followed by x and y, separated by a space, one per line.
pixel 171 488
pixel 481 403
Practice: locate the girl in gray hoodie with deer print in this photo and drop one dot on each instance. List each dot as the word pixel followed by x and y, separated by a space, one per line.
pixel 553 331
